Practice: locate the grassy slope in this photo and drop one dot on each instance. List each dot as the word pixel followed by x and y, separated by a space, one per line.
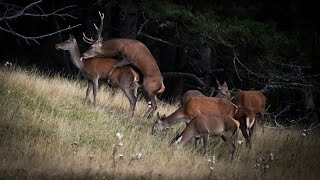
pixel 46 131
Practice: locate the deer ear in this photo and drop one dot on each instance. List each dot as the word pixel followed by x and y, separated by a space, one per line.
pixel 218 84
pixel 225 84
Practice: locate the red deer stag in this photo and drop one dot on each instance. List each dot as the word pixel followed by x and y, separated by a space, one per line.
pixel 247 119
pixel 203 126
pixel 135 53
pixel 97 68
pixel 249 104
pixel 193 107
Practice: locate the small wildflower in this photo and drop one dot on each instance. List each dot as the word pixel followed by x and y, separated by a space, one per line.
pixel 213 159
pixel 120 156
pixel 240 142
pixel 211 168
pixel 209 160
pixel 74 143
pixel 267 166
pixel 120 144
pixel 113 145
pixel 139 156
pixel 304 134
pixel 271 156
pixel 119 135
pixel 8 64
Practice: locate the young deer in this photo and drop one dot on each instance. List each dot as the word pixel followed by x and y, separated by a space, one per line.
pixel 98 68
pixel 203 126
pixel 135 53
pixel 188 94
pixel 193 107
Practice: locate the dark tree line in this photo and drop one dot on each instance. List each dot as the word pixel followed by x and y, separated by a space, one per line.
pixel 271 46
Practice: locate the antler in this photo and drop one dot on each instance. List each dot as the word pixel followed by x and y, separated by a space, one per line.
pixel 99 30
pixel 86 39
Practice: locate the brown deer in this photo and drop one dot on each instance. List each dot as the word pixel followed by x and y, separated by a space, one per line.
pixel 98 68
pixel 247 119
pixel 203 126
pixel 188 94
pixel 253 100
pixel 249 104
pixel 223 92
pixel 193 107
pixel 134 53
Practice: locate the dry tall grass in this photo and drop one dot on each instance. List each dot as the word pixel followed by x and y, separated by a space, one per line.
pixel 45 131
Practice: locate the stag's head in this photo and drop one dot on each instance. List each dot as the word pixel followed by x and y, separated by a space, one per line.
pixel 96 45
pixel 68 44
pixel 223 91
pixel 159 125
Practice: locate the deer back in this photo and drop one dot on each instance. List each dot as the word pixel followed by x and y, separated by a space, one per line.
pixel 253 100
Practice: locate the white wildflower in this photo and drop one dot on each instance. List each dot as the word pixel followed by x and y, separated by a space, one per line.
pixel 240 142
pixel 267 166
pixel 271 156
pixel 120 144
pixel 209 160
pixel 119 135
pixel 8 64
pixel 120 156
pixel 139 156
pixel 304 134
pixel 211 168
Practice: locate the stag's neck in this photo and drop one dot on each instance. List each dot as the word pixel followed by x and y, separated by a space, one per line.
pixel 75 57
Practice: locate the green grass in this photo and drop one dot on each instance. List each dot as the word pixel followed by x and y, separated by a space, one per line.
pixel 45 131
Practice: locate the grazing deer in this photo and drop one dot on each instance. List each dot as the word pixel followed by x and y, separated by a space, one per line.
pixel 97 68
pixel 247 119
pixel 193 107
pixel 135 53
pixel 202 126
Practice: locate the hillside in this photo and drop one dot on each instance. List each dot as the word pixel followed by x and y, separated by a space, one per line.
pixel 45 131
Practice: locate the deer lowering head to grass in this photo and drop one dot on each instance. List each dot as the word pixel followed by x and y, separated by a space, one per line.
pixel 134 53
pixel 98 68
pixel 193 107
pixel 203 126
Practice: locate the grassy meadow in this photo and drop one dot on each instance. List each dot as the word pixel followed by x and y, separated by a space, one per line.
pixel 46 132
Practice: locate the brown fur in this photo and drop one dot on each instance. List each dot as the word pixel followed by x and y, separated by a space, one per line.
pixel 203 126
pixel 193 107
pixel 136 53
pixel 247 119
pixel 98 68
pixel 253 100
pixel 188 94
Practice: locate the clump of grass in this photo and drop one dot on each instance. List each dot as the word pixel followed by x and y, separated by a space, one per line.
pixel 46 131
